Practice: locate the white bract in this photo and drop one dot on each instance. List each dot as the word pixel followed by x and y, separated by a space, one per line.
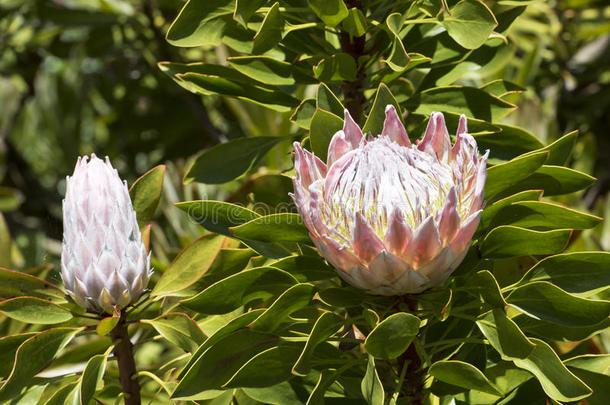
pixel 104 264
pixel 391 216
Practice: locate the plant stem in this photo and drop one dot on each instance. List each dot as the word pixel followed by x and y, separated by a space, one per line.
pixel 353 90
pixel 412 384
pixel 123 349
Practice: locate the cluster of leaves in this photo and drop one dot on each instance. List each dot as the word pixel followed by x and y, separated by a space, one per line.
pixel 253 314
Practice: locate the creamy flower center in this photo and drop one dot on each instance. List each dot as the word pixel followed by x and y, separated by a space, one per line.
pixel 382 176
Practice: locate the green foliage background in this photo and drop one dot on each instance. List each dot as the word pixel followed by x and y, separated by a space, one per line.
pixel 82 76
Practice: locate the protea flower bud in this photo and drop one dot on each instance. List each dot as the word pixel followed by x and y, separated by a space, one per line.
pixel 391 216
pixel 104 265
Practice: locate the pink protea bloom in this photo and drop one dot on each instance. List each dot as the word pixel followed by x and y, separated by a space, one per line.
pixel 104 264
pixel 391 216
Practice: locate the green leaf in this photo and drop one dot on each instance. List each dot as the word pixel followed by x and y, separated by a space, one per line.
pixel 226 263
pixel 507 142
pixel 327 101
pixel 304 112
pixel 374 121
pixel 545 301
pixel 217 216
pixel 326 379
pixel 260 282
pixel 392 336
pixel 554 180
pixel 398 59
pixel 167 386
pixel 190 265
pixel 584 273
pixel 227 161
pixel 462 375
pixel 295 298
pixel 326 325
pixel 60 395
pixel 337 67
pixel 16 284
pixel 470 101
pixel 470 23
pixel 8 346
pixel 485 284
pixel 501 88
pixel 33 356
pixel 34 310
pixel 596 363
pixel 237 323
pixel 284 227
pixel 559 151
pixel 267 96
pixel 332 12
pixel 268 70
pixel 321 129
pixel 305 268
pixel 598 382
pixel 505 175
pixel 92 377
pixel 245 9
pixel 371 386
pixel 267 368
pixel 221 361
pixel 145 193
pixel 279 394
pixel 492 210
pixel 270 31
pixel 355 23
pixel 179 329
pixel 512 241
pixel 342 296
pixel 556 380
pixel 200 23
pixel 504 335
pixel 554 331
pixel 543 215
pixel 106 325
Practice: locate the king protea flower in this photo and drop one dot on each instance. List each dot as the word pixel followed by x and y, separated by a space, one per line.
pixel 104 265
pixel 391 216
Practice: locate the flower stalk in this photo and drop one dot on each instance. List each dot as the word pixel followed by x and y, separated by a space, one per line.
pixel 123 350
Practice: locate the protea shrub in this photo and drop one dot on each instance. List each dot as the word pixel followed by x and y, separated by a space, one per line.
pixel 104 264
pixel 391 216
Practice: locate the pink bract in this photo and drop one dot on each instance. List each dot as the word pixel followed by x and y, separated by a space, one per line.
pixel 391 216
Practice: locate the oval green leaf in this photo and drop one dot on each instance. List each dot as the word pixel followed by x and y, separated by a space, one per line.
pixel 556 380
pixel 227 161
pixel 145 193
pixel 296 297
pixel 260 282
pixel 547 302
pixel 392 336
pixel 217 216
pixel 34 355
pixel 511 241
pixel 583 273
pixel 34 310
pixel 462 375
pixel 284 227
pixel 179 329
pixel 470 23
pixel 190 265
